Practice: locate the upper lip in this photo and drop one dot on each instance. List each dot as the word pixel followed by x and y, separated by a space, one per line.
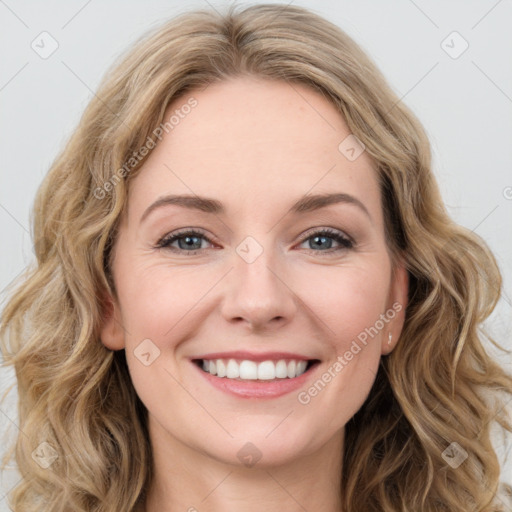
pixel 254 356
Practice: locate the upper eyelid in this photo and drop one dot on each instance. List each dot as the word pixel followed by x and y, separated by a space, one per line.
pixel 333 231
pixel 185 231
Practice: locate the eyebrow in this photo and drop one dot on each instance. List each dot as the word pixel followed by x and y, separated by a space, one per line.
pixel 205 204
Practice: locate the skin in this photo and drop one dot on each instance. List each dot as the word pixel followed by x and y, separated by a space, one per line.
pixel 257 146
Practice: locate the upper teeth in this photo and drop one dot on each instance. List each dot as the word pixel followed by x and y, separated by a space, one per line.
pixel 251 370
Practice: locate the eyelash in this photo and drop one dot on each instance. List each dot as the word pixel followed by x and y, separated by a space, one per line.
pixel 167 240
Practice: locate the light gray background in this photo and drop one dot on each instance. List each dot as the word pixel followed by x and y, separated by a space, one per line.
pixel 465 104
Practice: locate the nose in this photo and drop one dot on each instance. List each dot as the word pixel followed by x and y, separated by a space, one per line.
pixel 259 294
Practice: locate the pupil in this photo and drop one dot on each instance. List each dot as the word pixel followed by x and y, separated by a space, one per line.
pixel 189 241
pixel 323 238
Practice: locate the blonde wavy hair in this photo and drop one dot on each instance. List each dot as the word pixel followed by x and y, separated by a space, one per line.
pixel 438 386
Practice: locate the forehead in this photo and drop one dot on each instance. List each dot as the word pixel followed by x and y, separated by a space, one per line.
pixel 254 143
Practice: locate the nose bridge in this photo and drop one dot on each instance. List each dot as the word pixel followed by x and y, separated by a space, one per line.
pixel 257 292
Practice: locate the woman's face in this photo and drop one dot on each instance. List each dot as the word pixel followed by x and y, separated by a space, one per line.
pixel 273 278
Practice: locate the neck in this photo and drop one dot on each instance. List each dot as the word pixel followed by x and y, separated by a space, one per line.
pixel 192 481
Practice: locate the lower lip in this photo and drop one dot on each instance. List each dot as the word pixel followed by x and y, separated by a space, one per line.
pixel 256 388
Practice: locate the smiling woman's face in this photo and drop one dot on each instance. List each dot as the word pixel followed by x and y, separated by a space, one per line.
pixel 259 280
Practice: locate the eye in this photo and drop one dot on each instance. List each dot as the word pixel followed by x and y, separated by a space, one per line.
pixel 322 240
pixel 189 240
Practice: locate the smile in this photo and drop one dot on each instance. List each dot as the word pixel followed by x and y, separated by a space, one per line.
pixel 244 374
pixel 251 370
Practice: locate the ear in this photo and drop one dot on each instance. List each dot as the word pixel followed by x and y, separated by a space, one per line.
pixel 397 304
pixel 111 330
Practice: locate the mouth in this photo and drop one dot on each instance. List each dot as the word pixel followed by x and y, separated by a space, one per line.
pixel 249 370
pixel 256 376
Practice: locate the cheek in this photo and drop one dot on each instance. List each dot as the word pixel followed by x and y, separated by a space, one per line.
pixel 157 309
pixel 157 298
pixel 349 299
pixel 162 307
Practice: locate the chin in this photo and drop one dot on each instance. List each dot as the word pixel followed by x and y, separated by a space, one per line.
pixel 264 449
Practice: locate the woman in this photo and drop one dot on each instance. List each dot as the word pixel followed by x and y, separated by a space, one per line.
pixel 248 293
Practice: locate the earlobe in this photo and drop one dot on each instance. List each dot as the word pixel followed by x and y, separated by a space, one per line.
pixel 111 330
